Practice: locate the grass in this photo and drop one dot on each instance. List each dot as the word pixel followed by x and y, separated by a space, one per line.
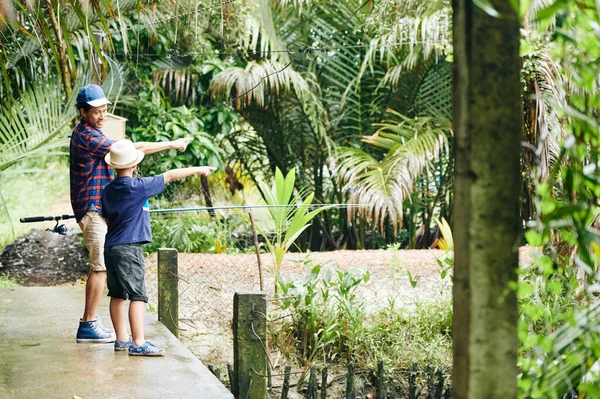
pixel 6 282
pixel 31 188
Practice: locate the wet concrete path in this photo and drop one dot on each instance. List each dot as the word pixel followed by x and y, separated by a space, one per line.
pixel 39 357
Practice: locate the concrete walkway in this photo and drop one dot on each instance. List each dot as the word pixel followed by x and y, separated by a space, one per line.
pixel 39 357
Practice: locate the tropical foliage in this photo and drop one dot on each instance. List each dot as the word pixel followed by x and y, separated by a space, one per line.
pixel 352 101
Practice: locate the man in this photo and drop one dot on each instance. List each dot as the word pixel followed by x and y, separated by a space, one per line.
pixel 89 175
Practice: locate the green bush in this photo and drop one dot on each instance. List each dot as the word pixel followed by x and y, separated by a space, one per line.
pixel 329 324
pixel 157 121
pixel 194 232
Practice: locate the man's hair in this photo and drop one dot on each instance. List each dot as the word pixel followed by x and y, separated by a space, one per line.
pixel 86 107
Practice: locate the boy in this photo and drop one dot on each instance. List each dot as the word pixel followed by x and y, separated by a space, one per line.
pixel 89 174
pixel 128 228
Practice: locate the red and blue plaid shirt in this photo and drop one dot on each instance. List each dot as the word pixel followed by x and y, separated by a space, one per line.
pixel 89 172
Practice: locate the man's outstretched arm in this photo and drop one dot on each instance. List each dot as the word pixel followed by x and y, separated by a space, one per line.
pixel 150 148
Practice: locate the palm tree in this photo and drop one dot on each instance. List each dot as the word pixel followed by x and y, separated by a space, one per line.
pixel 346 91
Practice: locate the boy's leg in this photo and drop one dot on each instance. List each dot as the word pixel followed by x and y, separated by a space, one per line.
pixel 118 315
pixel 136 321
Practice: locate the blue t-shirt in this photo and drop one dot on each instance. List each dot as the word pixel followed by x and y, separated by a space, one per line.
pixel 124 205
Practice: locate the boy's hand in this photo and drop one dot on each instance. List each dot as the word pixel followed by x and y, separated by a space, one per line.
pixel 206 170
pixel 181 144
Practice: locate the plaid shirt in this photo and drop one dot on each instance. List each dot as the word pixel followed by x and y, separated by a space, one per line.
pixel 89 172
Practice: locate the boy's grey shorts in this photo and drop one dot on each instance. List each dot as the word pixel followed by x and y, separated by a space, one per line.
pixel 125 272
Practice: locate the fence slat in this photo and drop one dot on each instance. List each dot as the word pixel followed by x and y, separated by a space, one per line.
pixel 324 383
pixel 381 381
pixel 412 382
pixel 350 381
pixel 230 374
pixel 311 392
pixel 286 383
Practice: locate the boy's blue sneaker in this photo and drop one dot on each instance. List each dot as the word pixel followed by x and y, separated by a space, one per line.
pixel 146 349
pixel 93 332
pixel 122 345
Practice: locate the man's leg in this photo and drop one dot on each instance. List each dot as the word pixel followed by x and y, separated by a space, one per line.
pixel 94 288
pixel 90 329
pixel 94 230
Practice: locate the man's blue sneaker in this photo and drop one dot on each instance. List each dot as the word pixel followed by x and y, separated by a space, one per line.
pixel 146 349
pixel 93 332
pixel 122 345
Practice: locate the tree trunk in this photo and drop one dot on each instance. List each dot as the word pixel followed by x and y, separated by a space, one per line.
pixel 207 196
pixel 61 46
pixel 487 125
pixel 315 228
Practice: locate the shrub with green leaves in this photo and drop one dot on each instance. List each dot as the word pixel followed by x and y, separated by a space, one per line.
pixel 329 324
pixel 327 315
pixel 559 339
pixel 157 121
pixel 193 232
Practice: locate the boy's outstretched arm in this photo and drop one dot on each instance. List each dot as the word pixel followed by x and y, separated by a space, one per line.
pixel 177 174
pixel 150 148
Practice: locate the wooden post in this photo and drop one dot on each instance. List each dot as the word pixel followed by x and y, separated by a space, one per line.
pixel 168 289
pixel 249 345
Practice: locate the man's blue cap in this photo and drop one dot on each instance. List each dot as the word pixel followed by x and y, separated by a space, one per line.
pixel 92 95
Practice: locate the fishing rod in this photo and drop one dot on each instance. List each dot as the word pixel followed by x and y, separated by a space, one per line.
pixel 61 229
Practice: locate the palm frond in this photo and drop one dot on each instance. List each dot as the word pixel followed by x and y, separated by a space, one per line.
pixel 254 83
pixel 412 145
pixel 422 28
pixel 36 125
pixel 263 37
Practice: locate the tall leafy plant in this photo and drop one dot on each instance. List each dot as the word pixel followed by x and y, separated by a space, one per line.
pixel 559 345
pixel 289 215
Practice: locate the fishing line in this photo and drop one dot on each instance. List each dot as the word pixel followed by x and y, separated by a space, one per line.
pixel 161 21
pixel 307 51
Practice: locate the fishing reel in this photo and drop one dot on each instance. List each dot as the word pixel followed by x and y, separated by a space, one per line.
pixel 62 230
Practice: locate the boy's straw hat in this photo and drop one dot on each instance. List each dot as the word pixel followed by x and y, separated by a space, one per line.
pixel 123 155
